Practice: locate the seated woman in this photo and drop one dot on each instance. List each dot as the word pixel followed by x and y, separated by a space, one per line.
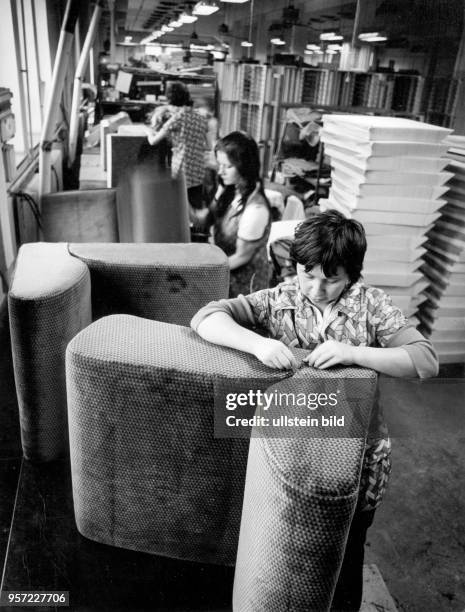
pixel 240 213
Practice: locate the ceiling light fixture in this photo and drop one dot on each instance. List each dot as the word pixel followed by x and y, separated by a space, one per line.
pixel 206 7
pixel 331 36
pixel 175 23
pixel 235 1
pixel 375 39
pixel 372 37
pixel 187 16
pixel 248 43
pixel 277 41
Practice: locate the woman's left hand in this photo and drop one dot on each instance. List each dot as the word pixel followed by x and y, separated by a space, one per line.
pixel 331 353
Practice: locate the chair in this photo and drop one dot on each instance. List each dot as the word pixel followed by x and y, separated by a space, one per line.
pixel 59 288
pixel 151 472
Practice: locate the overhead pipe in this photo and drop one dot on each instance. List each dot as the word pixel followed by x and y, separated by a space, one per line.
pixel 78 78
pixel 60 67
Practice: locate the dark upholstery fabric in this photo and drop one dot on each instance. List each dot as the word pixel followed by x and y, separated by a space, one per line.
pixel 49 303
pixel 148 473
pixel 157 281
pixel 299 500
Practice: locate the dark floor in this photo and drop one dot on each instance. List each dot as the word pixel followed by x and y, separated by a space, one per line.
pixel 417 540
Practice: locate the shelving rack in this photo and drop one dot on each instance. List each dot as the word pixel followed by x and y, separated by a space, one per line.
pixel 254 97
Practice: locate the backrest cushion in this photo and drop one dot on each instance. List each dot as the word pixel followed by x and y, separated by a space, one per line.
pixel 164 282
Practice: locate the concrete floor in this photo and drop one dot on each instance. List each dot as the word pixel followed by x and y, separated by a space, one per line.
pixel 418 538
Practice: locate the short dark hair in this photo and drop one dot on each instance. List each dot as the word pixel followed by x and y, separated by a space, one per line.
pixel 330 240
pixel 178 94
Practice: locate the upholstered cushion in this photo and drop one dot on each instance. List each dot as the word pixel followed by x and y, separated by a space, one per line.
pixel 49 302
pixel 148 473
pixel 299 500
pixel 158 281
pixel 80 216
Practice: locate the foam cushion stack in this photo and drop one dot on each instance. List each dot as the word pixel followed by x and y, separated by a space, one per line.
pixel 442 315
pixel 388 173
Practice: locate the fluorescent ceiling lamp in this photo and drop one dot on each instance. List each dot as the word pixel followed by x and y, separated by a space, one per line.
pixel 166 28
pixel 366 35
pixel 175 23
pixel 202 47
pixel 308 51
pixel 246 43
pixel 313 47
pixel 188 17
pixel 235 1
pixel 205 7
pixel 375 39
pixel 277 41
pixel 219 55
pixel 335 47
pixel 331 51
pixel 331 36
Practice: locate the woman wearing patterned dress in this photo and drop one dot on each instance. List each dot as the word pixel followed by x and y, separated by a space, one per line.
pixel 186 129
pixel 240 213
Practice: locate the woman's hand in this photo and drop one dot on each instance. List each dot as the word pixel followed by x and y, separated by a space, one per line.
pixel 330 353
pixel 275 354
pixel 219 192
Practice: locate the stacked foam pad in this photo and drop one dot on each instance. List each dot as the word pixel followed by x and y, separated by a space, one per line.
pixel 388 174
pixel 442 315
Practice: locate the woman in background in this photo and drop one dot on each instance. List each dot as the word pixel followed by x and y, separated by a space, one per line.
pixel 240 213
pixel 186 129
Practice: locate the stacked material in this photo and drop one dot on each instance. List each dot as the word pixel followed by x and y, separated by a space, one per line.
pixel 442 315
pixel 388 174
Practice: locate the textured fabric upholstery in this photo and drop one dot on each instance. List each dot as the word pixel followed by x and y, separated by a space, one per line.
pixel 148 473
pixel 50 301
pixel 80 216
pixel 299 500
pixel 157 281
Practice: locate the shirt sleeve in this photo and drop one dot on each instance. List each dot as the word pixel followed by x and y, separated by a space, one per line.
pixel 253 222
pixel 173 123
pixel 419 349
pixel 251 310
pixel 386 318
pixel 237 308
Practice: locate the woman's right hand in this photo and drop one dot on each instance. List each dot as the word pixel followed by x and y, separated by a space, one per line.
pixel 219 192
pixel 275 354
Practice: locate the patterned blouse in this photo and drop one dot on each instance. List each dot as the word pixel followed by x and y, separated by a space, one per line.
pixel 187 130
pixel 362 316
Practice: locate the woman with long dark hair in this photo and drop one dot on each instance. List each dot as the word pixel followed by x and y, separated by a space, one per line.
pixel 240 213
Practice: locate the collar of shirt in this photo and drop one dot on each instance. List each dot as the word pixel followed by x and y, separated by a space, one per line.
pixel 292 298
